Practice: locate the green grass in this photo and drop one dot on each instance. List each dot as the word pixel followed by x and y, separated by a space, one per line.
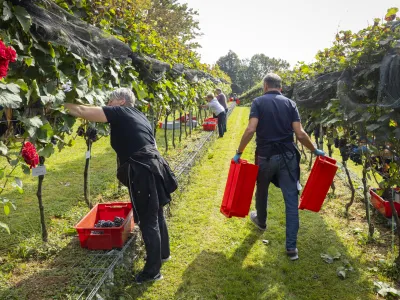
pixel 219 258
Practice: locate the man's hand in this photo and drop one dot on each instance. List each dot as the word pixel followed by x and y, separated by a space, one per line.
pixel 318 152
pixel 236 158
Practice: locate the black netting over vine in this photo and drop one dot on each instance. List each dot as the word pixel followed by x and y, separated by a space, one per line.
pixel 177 70
pixel 191 75
pixel 150 69
pixel 375 85
pixel 51 23
pixel 316 92
pixel 389 84
pixel 195 75
pixel 287 91
pixel 356 88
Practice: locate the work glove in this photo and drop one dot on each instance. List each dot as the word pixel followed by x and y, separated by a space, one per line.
pixel 318 152
pixel 237 157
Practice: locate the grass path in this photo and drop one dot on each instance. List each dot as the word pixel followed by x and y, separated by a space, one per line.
pixel 218 258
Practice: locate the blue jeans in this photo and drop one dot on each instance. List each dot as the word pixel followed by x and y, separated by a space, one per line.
pixel 275 166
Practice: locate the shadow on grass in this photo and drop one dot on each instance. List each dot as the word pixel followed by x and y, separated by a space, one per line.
pixel 216 269
pixel 52 280
pixel 270 274
pixel 73 274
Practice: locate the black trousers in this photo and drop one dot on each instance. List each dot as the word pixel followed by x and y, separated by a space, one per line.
pixel 221 123
pixel 150 215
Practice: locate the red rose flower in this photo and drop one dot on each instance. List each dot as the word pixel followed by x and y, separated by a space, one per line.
pixel 3 53
pixel 11 54
pixel 3 68
pixel 30 155
pixel 7 54
pixel 3 50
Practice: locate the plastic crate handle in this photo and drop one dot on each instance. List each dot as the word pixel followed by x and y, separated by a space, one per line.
pixel 116 206
pixel 97 232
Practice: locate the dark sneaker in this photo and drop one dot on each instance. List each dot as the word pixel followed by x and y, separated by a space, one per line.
pixel 293 254
pixel 164 260
pixel 253 218
pixel 142 278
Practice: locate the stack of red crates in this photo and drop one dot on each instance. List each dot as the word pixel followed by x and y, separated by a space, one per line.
pixel 210 124
pixel 239 189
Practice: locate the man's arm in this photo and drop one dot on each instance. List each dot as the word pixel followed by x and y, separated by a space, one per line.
pixel 302 136
pixel 90 113
pixel 248 134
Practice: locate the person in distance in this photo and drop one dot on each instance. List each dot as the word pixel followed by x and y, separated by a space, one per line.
pixel 222 100
pixel 218 111
pixel 274 118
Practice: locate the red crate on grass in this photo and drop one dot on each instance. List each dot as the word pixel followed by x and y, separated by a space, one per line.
pixel 382 205
pixel 210 124
pixel 239 189
pixel 110 237
pixel 318 183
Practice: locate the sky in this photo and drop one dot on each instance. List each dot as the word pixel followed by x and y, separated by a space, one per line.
pixel 292 30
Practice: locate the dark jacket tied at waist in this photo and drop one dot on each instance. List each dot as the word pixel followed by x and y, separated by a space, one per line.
pixel 149 175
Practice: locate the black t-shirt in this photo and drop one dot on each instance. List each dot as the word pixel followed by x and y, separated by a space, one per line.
pixel 275 114
pixel 130 130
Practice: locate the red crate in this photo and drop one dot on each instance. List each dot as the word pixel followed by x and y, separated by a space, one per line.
pixel 211 120
pixel 239 189
pixel 318 183
pixel 382 205
pixel 209 127
pixel 210 124
pixel 110 237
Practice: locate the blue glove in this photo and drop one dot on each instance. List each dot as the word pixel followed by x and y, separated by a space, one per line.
pixel 236 158
pixel 318 152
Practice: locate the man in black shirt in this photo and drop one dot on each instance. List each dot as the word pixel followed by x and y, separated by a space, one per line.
pixel 274 118
pixel 144 170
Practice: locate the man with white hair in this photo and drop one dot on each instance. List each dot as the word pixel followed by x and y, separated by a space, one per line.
pixel 142 170
pixel 275 118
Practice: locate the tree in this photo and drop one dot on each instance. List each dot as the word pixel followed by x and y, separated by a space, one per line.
pixel 172 19
pixel 246 73
pixel 261 64
pixel 230 64
pixel 244 77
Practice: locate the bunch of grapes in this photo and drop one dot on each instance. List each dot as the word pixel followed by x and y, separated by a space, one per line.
pixel 80 131
pixel 91 134
pixel 116 223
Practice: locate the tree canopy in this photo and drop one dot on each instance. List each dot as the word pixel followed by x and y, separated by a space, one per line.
pixel 245 73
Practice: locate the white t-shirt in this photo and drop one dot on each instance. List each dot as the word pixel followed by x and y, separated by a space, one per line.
pixel 215 106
